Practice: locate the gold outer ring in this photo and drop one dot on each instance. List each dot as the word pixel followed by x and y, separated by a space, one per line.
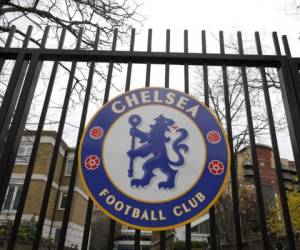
pixel 225 180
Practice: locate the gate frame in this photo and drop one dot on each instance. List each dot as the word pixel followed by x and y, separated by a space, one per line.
pixel 10 136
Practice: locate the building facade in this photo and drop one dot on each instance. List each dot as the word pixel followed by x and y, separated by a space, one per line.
pixel 267 171
pixel 124 238
pixel 245 177
pixel 57 199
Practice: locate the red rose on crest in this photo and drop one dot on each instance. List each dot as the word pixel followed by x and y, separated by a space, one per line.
pixel 216 167
pixel 96 133
pixel 92 162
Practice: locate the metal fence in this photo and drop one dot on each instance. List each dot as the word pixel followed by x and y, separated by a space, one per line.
pixel 19 95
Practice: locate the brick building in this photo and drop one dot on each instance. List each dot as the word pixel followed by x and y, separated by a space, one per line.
pixel 268 179
pixel 124 237
pixel 57 200
pixel 267 171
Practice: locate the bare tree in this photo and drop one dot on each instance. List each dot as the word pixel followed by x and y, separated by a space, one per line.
pixel 292 7
pixel 71 14
pixel 107 15
pixel 246 191
pixel 237 99
pixel 248 215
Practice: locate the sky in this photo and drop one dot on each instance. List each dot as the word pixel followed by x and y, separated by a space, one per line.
pixel 230 16
pixel 214 15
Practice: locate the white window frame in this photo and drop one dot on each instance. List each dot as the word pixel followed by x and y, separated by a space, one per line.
pixel 10 210
pixel 23 158
pixel 62 193
pixel 69 166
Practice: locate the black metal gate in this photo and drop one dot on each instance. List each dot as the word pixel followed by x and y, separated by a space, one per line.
pixel 18 98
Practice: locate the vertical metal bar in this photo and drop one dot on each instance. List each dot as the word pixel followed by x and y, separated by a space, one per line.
pixel 286 46
pixel 15 133
pixel 110 68
pixel 276 44
pixel 137 239
pixel 291 106
pixel 30 166
pixel 296 84
pixel 63 232
pixel 283 197
pixel 12 92
pixel 89 210
pixel 10 36
pixel 57 196
pixel 13 139
pixel 288 79
pixel 293 66
pixel 205 70
pixel 261 211
pixel 7 44
pixel 188 235
pixel 167 66
pixel 111 237
pixel 55 153
pixel 87 225
pixel 233 174
pixel 129 66
pixel 162 240
pixel 212 216
pixel 148 68
pixel 162 235
pixel 213 230
pixel 186 66
pixel 137 234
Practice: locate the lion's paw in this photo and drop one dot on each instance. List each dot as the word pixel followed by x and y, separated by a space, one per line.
pixel 138 183
pixel 166 185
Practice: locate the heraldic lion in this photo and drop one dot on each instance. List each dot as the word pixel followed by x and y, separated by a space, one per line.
pixel 154 143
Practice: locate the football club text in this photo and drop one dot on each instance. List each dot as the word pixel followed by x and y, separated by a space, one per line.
pixel 149 214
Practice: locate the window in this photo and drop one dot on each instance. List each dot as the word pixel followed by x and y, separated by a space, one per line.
pixel 69 166
pixel 56 235
pixel 195 229
pixel 24 152
pixel 62 201
pixel 12 198
pixel 204 227
pixel 121 247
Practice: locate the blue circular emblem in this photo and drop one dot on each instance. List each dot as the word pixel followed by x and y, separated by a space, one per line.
pixel 154 159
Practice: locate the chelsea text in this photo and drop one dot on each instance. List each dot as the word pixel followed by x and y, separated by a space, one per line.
pixel 144 97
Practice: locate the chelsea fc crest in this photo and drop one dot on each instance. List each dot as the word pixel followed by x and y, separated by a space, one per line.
pixel 154 159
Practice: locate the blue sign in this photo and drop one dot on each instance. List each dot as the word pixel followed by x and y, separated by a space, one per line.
pixel 154 159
